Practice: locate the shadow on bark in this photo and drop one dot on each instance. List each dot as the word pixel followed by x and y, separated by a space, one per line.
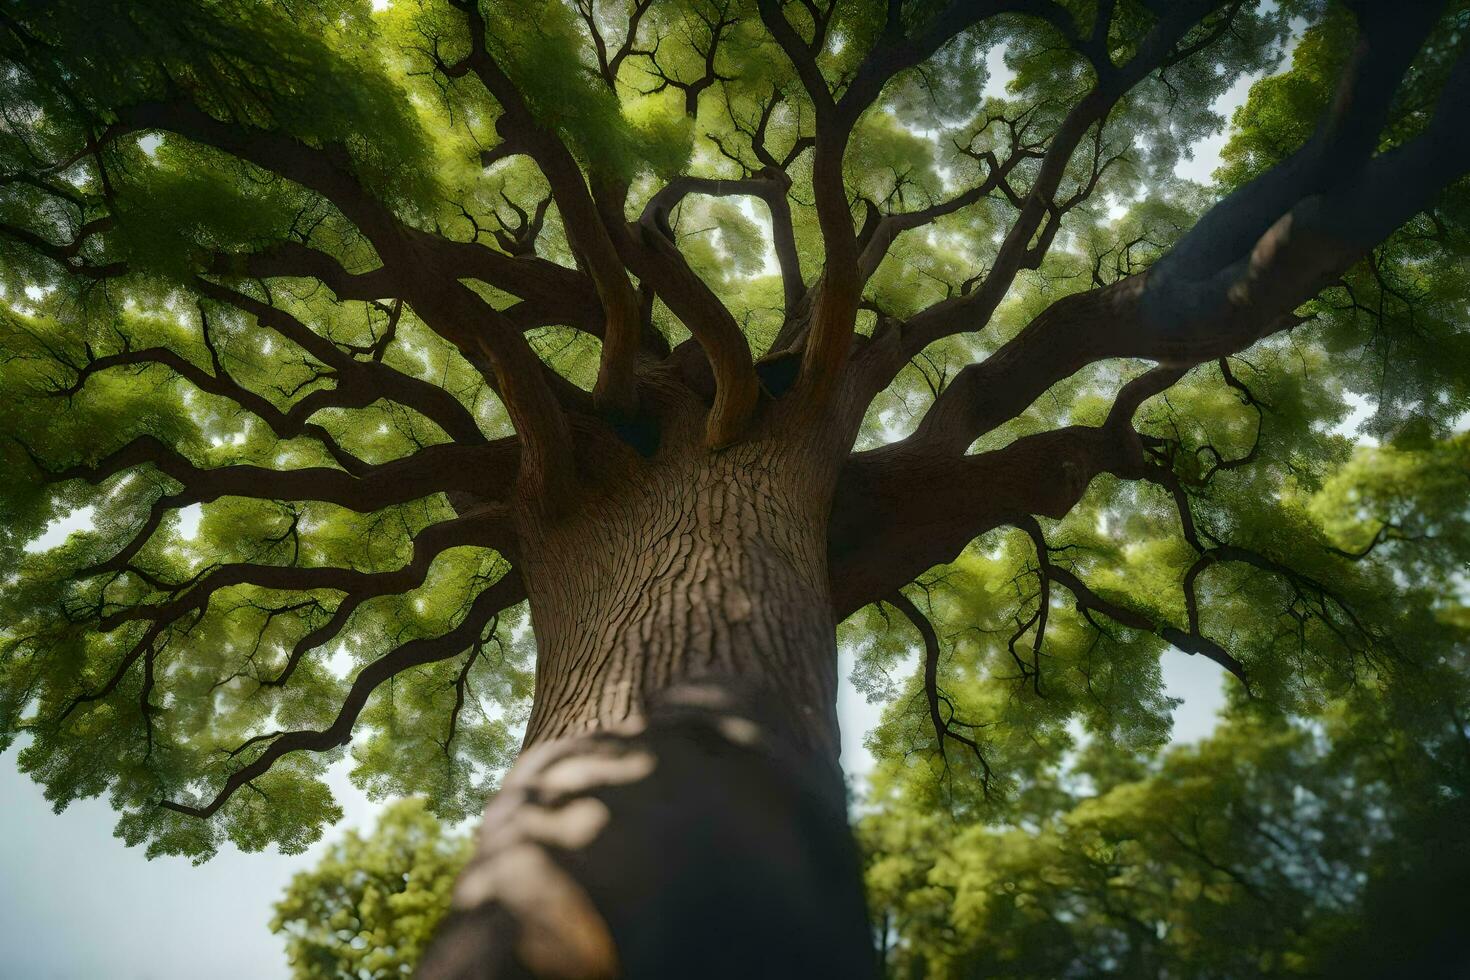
pixel 699 843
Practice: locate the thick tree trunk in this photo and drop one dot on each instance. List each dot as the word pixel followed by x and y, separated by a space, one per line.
pixel 678 810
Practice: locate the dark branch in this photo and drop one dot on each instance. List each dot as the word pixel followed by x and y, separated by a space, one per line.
pixel 503 594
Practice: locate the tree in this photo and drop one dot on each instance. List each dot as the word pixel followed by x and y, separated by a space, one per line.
pixel 1265 851
pixel 370 906
pixel 1326 842
pixel 436 314
pixel 1258 853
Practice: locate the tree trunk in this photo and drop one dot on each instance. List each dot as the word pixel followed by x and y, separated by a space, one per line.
pixel 678 810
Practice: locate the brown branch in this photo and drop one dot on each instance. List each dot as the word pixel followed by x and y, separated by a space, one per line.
pixel 485 470
pixel 1192 642
pixel 1169 314
pixel 887 229
pixel 802 56
pixel 534 409
pixel 286 424
pixel 1347 133
pixel 326 171
pixel 615 391
pixel 715 25
pixel 289 259
pixel 609 64
pixel 829 334
pixel 943 727
pixel 504 593
pixel 896 51
pixel 68 254
pixel 654 258
pixel 771 186
pixel 973 310
pixel 757 133
pixel 358 383
pixel 900 511
pixel 492 343
pixel 525 385
pixel 564 295
pixel 487 527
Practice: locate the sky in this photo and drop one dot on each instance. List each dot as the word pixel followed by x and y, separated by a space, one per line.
pixel 76 904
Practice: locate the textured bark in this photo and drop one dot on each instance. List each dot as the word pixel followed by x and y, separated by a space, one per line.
pixel 713 564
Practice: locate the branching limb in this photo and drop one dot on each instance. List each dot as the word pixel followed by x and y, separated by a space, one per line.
pixel 615 391
pixel 1018 250
pixel 488 527
pixel 1159 316
pixel 562 295
pixel 1309 593
pixel 486 470
pixel 503 594
pixel 326 171
pixel 647 248
pixel 525 385
pixel 609 63
pixel 943 727
pixel 900 512
pixel 358 383
pixel 997 172
pixel 1191 642
pixel 829 335
pixel 69 254
pixel 715 21
pixel 758 134
pixel 285 424
pixel 771 186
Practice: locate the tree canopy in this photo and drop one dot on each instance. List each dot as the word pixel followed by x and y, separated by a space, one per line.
pixel 369 907
pixel 304 302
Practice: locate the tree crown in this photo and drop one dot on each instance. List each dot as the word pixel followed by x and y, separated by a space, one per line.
pixel 364 293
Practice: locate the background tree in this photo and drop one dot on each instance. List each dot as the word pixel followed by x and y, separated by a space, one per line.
pixel 369 907
pixel 426 314
pixel 1260 852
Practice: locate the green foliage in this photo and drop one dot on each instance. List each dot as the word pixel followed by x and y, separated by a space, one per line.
pixel 1012 860
pixel 1273 847
pixel 1258 853
pixel 369 907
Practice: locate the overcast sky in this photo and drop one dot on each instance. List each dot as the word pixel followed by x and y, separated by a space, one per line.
pixel 75 904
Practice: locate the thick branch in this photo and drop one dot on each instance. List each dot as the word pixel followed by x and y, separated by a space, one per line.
pixel 560 295
pixel 358 383
pixel 648 249
pixel 900 511
pixel 486 471
pixel 287 425
pixel 326 171
pixel 1161 316
pixel 523 382
pixel 771 186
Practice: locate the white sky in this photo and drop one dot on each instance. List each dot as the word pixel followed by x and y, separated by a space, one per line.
pixel 75 904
